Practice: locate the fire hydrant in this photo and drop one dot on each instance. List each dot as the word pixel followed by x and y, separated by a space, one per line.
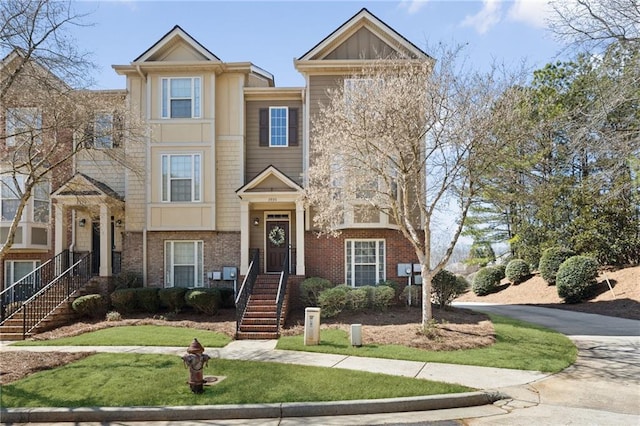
pixel 196 360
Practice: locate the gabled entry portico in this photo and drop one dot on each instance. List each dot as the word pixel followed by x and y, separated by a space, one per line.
pixel 272 218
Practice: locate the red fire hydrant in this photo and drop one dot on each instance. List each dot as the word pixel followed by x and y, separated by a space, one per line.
pixel 196 360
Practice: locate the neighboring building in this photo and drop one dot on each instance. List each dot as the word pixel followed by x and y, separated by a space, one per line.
pixel 218 171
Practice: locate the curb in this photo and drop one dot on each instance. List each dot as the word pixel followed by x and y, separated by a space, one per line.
pixel 248 411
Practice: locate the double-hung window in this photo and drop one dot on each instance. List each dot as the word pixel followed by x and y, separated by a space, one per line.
pixel 183 263
pixel 181 177
pixel 181 97
pixel 103 131
pixel 278 126
pixel 10 195
pixel 365 262
pixel 23 126
pixel 15 270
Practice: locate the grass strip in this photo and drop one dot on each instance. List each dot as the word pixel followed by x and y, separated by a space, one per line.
pixel 160 380
pixel 138 335
pixel 519 345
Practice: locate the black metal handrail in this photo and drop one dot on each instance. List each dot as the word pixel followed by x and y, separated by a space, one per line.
pixel 30 284
pixel 282 287
pixel 242 299
pixel 47 299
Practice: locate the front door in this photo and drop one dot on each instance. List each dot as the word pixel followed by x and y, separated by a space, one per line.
pixel 277 244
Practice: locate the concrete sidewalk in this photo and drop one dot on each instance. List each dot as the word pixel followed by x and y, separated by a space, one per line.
pixel 490 381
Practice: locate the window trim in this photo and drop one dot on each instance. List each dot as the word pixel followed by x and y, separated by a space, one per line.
pixel 198 247
pixel 286 126
pixel 380 276
pixel 165 187
pixel 11 263
pixel 165 97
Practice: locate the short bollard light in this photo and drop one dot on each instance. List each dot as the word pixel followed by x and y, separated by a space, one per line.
pixel 196 360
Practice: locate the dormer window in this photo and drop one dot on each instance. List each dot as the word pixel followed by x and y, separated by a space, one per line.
pixel 181 97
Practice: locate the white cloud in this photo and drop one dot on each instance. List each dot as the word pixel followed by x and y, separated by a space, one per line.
pixel 487 17
pixel 412 6
pixel 530 12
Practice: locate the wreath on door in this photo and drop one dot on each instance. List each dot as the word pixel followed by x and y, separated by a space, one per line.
pixel 276 236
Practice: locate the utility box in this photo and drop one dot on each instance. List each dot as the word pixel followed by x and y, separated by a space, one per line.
pixel 356 335
pixel 229 273
pixel 311 326
pixel 404 269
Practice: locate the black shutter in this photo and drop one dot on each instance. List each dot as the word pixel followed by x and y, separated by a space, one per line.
pixel 293 126
pixel 264 126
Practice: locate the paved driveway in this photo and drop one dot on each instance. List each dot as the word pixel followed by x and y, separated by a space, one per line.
pixel 601 388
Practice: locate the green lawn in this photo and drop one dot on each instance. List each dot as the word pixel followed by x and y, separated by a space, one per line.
pixel 138 335
pixel 152 380
pixel 519 345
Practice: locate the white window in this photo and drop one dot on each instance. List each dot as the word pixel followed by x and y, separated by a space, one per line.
pixel 181 177
pixel 365 262
pixel 183 263
pixel 10 195
pixel 15 270
pixel 41 206
pixel 278 126
pixel 181 97
pixel 103 131
pixel 23 126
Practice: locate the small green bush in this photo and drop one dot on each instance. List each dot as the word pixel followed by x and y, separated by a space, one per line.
pixel 445 287
pixel 383 297
pixel 517 271
pixel 576 278
pixel 147 299
pixel 332 301
pixel 228 298
pixel 416 295
pixel 486 280
pixel 124 300
pixel 502 268
pixel 551 260
pixel 172 298
pixel 113 316
pixel 311 288
pixel 92 305
pixel 128 280
pixel 356 300
pixel 205 300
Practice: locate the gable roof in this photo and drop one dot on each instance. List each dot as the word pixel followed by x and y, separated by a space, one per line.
pixel 172 37
pixel 366 19
pixel 83 185
pixel 253 186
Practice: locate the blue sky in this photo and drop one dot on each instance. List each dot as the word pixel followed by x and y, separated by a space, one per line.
pixel 270 34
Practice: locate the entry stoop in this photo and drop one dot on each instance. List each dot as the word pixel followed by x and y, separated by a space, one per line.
pixel 260 321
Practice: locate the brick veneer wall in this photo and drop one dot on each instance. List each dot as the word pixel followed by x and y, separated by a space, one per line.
pixel 325 256
pixel 219 249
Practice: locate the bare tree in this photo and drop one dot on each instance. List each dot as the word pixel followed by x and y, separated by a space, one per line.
pixel 405 138
pixel 596 22
pixel 48 117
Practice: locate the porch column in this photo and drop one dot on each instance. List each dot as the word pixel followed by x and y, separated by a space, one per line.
pixel 300 269
pixel 105 241
pixel 244 237
pixel 60 228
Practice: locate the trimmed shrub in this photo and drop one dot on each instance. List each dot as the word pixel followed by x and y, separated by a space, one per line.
pixel 356 299
pixel 502 268
pixel 205 300
pixel 486 280
pixel 113 316
pixel 576 278
pixel 228 298
pixel 445 287
pixel 517 271
pixel 124 300
pixel 147 299
pixel 332 301
pixel 416 295
pixel 382 297
pixel 128 280
pixel 172 298
pixel 551 260
pixel 92 305
pixel 311 288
